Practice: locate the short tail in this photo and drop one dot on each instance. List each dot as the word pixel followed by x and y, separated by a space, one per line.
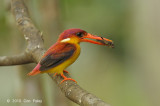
pixel 35 71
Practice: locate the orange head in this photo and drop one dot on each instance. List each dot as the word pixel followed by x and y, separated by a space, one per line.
pixel 79 35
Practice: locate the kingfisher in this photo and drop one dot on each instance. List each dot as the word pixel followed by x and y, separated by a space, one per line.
pixel 65 52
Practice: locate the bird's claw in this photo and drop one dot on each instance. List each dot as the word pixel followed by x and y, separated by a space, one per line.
pixel 65 78
pixel 68 79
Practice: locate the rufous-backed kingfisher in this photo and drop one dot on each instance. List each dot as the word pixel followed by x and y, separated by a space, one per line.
pixel 65 51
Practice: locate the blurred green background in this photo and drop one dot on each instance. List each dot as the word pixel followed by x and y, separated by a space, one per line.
pixel 128 75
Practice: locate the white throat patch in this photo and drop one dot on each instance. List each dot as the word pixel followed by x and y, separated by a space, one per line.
pixel 65 40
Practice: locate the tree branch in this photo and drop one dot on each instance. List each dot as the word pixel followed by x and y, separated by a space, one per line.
pixel 32 35
pixel 35 50
pixel 77 94
pixel 23 58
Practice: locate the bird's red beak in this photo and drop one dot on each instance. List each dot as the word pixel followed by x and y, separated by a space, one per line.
pixel 99 40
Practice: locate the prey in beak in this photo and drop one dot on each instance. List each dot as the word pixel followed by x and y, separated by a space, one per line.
pixel 99 40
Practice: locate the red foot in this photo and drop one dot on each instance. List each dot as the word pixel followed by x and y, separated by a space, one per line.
pixel 55 74
pixel 65 78
pixel 66 71
pixel 63 71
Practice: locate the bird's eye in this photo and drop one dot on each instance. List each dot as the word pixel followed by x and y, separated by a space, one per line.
pixel 79 34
